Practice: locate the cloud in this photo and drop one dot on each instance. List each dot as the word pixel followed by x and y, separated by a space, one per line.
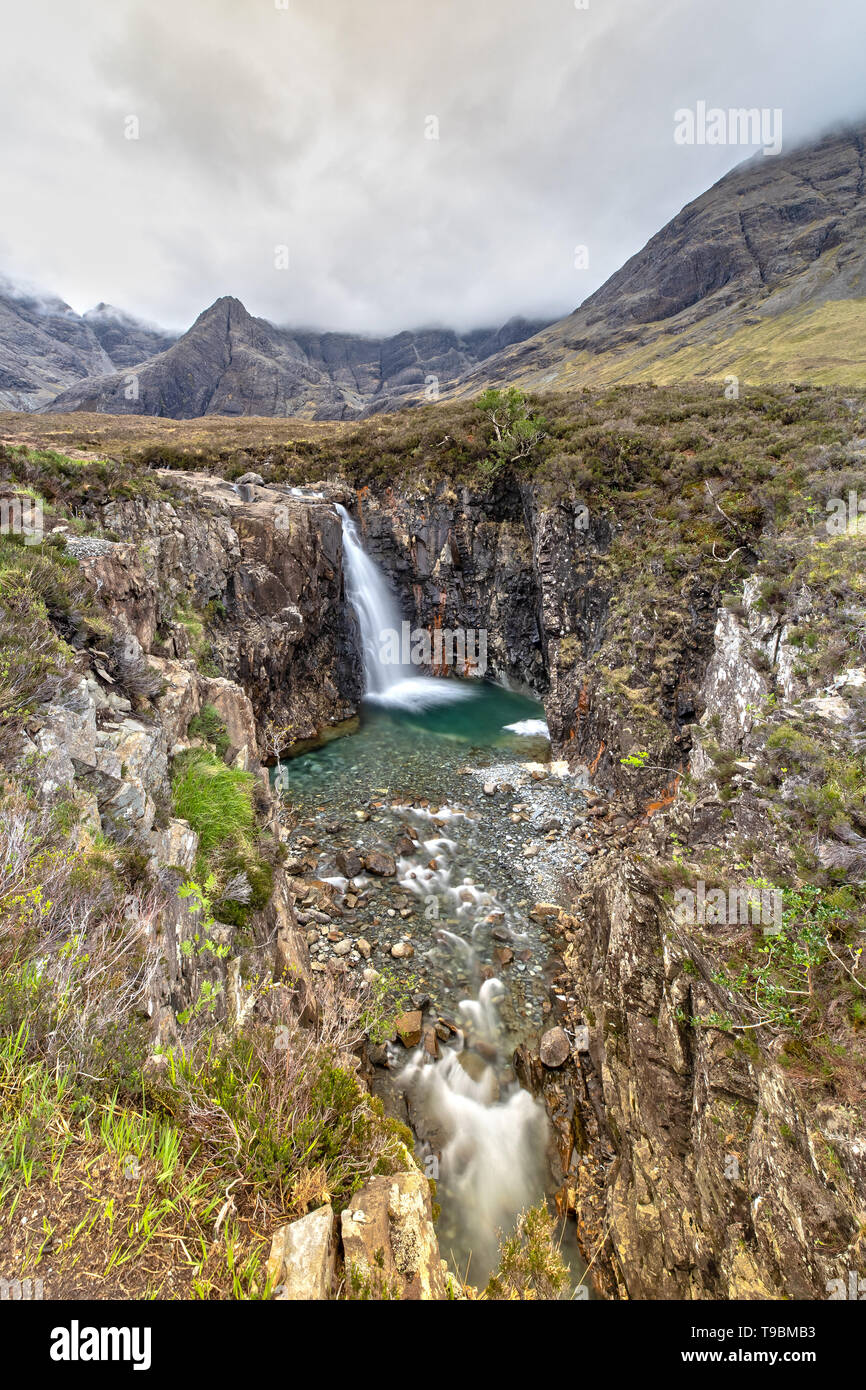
pixel 306 127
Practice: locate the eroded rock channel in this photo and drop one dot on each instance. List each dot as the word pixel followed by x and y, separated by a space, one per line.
pixel 432 842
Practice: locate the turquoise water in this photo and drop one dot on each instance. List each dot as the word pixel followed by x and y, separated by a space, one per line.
pixel 416 752
pixel 423 775
pixel 469 869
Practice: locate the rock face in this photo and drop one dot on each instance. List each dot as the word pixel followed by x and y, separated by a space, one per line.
pixel 125 339
pixel 720 1174
pixel 707 1197
pixel 389 1242
pixel 775 237
pixel 269 570
pixel 230 363
pixel 303 1257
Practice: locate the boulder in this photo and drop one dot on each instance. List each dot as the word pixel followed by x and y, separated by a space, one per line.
pixel 555 1047
pixel 389 1242
pixel 349 862
pixel 377 862
pixel 303 1255
pixel 408 1028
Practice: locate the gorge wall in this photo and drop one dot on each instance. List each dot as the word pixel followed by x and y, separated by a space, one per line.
pixel 700 1162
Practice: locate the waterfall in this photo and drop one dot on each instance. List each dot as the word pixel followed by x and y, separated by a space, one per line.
pixel 386 682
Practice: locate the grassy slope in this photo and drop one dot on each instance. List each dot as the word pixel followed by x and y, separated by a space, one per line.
pixel 823 344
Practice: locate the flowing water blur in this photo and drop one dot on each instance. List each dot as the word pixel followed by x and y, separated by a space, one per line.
pixel 469 869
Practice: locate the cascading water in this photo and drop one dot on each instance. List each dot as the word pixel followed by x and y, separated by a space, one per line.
pixel 485 1135
pixel 387 682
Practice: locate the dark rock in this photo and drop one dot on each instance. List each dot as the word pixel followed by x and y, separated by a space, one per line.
pixel 381 864
pixel 349 863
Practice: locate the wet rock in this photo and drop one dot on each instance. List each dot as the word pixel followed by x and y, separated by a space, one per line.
pixel 554 1048
pixel 408 1028
pixel 303 1256
pixel 381 864
pixel 349 862
pixel 402 950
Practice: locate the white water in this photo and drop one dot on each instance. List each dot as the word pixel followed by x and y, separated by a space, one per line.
pixel 386 682
pixel 531 728
pixel 467 1109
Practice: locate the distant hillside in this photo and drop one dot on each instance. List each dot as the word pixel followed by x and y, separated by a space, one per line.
pixel 45 346
pixel 125 338
pixel 763 276
pixel 230 363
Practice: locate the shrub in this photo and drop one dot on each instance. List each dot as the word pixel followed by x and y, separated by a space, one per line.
pixel 33 659
pixel 530 1265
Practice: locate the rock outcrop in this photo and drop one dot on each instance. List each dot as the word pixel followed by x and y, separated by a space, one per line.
pixel 389 1243
pixel 264 576
pixel 704 1158
pixel 302 1262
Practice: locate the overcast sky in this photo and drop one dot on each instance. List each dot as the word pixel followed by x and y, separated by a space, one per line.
pixel 306 126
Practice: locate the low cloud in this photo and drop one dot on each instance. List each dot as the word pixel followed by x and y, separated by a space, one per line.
pixel 308 128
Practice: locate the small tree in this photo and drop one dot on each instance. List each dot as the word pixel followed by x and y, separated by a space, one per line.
pixel 516 431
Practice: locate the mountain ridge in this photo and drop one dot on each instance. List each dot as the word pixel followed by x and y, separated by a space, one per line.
pixel 761 278
pixel 230 362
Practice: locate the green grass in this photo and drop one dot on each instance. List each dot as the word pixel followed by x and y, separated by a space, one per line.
pixel 216 800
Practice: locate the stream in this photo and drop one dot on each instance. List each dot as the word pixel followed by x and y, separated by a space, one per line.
pixel 447 791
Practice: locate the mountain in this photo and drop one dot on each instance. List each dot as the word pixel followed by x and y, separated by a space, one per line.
pixel 126 339
pixel 46 346
pixel 230 363
pixel 763 277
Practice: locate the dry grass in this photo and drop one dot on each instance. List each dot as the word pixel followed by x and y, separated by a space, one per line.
pixel 96 436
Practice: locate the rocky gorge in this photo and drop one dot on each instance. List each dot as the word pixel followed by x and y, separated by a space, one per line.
pixel 698 722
